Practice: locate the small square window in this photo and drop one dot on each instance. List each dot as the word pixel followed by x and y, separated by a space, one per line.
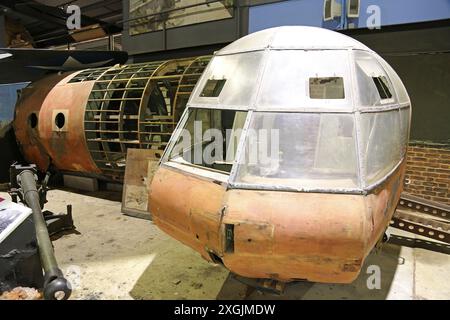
pixel 327 14
pixel 383 87
pixel 213 88
pixel 353 8
pixel 326 88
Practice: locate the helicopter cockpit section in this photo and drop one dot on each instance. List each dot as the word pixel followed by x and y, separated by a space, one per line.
pixel 289 160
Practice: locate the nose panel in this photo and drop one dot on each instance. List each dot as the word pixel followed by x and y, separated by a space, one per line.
pixel 188 208
pixel 319 237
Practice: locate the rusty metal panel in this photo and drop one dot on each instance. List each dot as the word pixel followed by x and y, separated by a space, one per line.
pixel 288 236
pixel 269 234
pixel 140 168
pixel 189 209
pixel 61 131
pixel 27 121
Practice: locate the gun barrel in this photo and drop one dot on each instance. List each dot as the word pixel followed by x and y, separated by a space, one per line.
pixel 56 287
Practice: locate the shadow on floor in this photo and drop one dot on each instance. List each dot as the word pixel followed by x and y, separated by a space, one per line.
pixel 101 194
pixel 387 260
pixel 178 273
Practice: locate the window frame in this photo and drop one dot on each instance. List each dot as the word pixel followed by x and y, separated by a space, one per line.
pixel 384 84
pixel 194 169
pixel 331 77
pixel 234 184
pixel 229 179
pixel 383 103
pixel 222 82
pixel 363 155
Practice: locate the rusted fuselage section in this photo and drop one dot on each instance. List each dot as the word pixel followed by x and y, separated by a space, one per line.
pixel 84 122
pixel 26 120
pixel 49 124
pixel 285 236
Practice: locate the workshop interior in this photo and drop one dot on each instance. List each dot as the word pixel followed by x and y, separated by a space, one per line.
pixel 224 150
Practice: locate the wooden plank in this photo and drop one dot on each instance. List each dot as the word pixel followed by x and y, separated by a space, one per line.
pixel 140 166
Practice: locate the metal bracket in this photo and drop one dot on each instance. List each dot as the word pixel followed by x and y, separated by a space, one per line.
pixel 57 223
pixel 264 285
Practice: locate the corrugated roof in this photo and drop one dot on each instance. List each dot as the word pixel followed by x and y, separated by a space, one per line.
pixel 45 20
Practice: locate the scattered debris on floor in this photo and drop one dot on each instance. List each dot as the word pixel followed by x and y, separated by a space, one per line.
pixel 21 293
pixel 130 258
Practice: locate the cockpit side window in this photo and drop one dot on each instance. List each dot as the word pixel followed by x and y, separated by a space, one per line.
pixel 209 139
pixel 383 87
pixel 381 137
pixel 374 85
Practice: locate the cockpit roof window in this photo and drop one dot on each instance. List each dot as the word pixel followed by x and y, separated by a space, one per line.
pixel 326 88
pixel 213 88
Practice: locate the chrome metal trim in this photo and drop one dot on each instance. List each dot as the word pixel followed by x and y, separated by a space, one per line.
pixel 241 147
pixel 221 176
pixel 375 109
pixel 286 48
pixel 190 174
pixel 247 186
pixel 362 191
pixel 220 107
pixel 357 123
pixel 325 109
pixel 174 137
pixel 386 177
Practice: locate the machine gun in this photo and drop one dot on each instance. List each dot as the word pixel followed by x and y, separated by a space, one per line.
pixel 24 187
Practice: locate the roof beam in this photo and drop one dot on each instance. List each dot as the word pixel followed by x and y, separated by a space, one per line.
pixel 99 4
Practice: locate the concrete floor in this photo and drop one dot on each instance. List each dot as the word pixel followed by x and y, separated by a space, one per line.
pixel 113 256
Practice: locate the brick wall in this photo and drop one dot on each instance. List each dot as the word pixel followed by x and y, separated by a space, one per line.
pixel 428 171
